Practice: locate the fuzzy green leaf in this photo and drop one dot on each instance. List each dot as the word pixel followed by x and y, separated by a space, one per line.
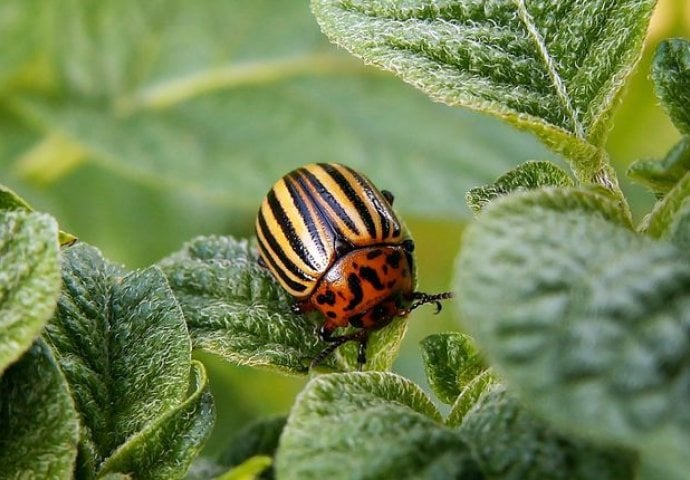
pixel 554 68
pixel 37 419
pixel 511 444
pixel 660 222
pixel 165 448
pixel 469 396
pixel 235 309
pixel 585 318
pixel 671 75
pixel 369 425
pixel 451 362
pixel 662 176
pixel 528 176
pixel 29 280
pixel 123 345
pixel 10 201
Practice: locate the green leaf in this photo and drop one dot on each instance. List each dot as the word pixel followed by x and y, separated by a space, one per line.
pixel 250 469
pixel 259 438
pixel 10 201
pixel 554 68
pixel 528 176
pixel 659 223
pixel 165 448
pixel 234 308
pixel 511 444
pixel 671 75
pixel 369 425
pixel 29 280
pixel 469 396
pixel 123 345
pixel 662 176
pixel 220 98
pixel 451 362
pixel 37 419
pixel 586 319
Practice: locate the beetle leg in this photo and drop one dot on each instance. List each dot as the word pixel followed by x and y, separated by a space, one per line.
pixel 362 352
pixel 388 196
pixel 335 341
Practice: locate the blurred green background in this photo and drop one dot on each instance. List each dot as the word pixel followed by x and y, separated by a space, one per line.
pixel 141 125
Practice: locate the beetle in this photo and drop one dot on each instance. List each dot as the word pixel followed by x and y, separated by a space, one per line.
pixel 332 240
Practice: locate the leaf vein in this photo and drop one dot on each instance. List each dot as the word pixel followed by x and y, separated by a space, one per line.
pixel 558 84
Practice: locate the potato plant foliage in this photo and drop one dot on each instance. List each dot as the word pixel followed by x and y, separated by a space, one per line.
pixel 572 355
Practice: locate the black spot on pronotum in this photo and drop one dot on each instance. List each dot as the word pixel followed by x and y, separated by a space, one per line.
pixel 370 275
pixel 390 283
pixel 355 286
pixel 331 314
pixel 327 298
pixel 385 269
pixel 373 254
pixel 393 259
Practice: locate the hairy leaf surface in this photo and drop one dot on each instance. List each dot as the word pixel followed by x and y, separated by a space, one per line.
pixel 585 318
pixel 369 425
pixel 38 421
pixel 554 68
pixel 29 279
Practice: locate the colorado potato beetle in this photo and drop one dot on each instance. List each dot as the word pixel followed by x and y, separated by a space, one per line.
pixel 333 242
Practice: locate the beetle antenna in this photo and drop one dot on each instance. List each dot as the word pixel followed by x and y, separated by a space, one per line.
pixel 424 298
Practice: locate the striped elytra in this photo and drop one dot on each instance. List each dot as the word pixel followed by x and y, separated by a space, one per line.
pixel 333 242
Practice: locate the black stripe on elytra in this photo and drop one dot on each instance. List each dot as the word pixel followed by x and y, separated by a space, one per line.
pixel 296 286
pixel 353 196
pixel 355 287
pixel 385 214
pixel 300 204
pixel 370 275
pixel 273 243
pixel 330 200
pixel 288 229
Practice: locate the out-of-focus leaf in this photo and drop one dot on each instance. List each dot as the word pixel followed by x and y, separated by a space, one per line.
pixel 37 419
pixel 671 75
pixel 167 93
pixel 662 176
pixel 251 469
pixel 29 278
pixel 469 396
pixel 369 425
pixel 583 317
pixel 258 438
pixel 554 68
pixel 511 444
pixel 528 176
